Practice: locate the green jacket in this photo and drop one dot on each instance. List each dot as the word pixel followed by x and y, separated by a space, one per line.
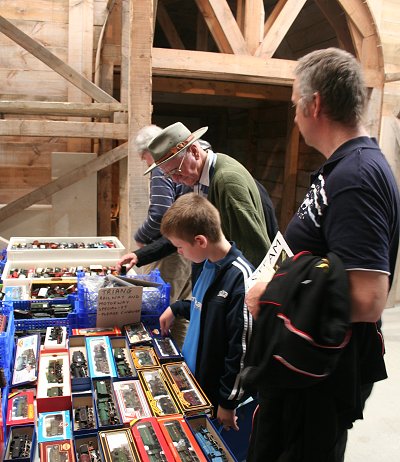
pixel 234 193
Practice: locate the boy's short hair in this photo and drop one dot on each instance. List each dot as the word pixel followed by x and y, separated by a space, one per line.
pixel 189 216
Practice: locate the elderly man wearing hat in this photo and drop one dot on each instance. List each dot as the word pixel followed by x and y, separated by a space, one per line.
pixel 224 181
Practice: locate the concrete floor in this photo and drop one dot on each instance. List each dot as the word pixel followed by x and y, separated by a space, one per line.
pixel 377 437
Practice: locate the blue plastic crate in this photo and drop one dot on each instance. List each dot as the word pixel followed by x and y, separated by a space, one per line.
pixel 154 301
pixel 26 304
pixel 7 341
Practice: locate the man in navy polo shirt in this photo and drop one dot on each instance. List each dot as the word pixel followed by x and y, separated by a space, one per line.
pixel 352 210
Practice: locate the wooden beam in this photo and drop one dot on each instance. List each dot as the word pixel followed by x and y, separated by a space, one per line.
pixel 80 58
pixel 63 129
pixel 63 181
pixel 169 28
pixel 333 13
pixel 223 26
pixel 287 13
pixel 290 172
pixel 231 68
pixel 55 63
pixel 392 77
pixel 61 109
pixel 358 13
pixel 225 89
pixel 253 24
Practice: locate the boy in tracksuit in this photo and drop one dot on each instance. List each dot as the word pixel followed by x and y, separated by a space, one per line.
pixel 220 325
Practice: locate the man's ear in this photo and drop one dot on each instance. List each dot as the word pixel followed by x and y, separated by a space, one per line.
pixel 201 240
pixel 194 151
pixel 316 104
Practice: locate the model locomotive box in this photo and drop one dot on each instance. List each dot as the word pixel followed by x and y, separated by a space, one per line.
pixel 123 359
pixel 210 441
pixel 26 360
pixel 144 357
pixel 158 394
pixel 105 404
pixel 21 444
pixel 191 398
pixel 166 349
pixel 181 440
pixel 54 382
pixel 100 357
pixel 87 448
pixel 131 400
pixel 80 380
pixel 150 441
pixel 55 339
pixel 20 408
pixel 137 334
pixel 118 445
pixel 54 426
pixel 57 451
pixel 59 248
pixel 83 418
pixel 97 331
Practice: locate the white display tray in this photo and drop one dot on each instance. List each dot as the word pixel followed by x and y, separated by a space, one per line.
pixel 28 252
pixel 44 263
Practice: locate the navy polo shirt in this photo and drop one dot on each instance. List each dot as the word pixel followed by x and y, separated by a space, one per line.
pixel 352 209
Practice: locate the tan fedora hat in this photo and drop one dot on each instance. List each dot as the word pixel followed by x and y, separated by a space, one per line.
pixel 170 142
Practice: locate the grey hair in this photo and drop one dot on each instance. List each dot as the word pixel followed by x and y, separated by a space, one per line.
pixel 144 136
pixel 337 76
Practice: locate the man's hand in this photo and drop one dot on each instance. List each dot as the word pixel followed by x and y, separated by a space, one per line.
pixel 227 418
pixel 129 259
pixel 166 320
pixel 253 296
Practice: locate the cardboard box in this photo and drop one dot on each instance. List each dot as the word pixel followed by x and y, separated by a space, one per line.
pixel 158 394
pixel 150 441
pixel 54 382
pixel 54 426
pixel 118 445
pixel 20 408
pixel 26 360
pixel 21 444
pixel 57 451
pixel 131 400
pixel 100 357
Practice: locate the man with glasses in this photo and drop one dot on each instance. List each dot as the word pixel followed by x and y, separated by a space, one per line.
pixel 221 179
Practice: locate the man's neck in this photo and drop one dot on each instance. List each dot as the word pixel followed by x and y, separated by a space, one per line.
pixel 334 134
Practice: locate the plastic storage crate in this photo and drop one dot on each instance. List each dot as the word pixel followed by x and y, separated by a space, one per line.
pixel 29 324
pixel 7 341
pixel 154 301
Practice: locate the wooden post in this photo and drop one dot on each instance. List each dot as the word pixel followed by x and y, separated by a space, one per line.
pixel 136 64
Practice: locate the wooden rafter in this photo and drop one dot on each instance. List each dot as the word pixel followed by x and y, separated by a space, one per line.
pixel 284 14
pixel 223 26
pixel 231 68
pixel 169 28
pixel 51 108
pixel 54 62
pixel 18 127
pixel 253 29
pixel 63 181
pixel 337 20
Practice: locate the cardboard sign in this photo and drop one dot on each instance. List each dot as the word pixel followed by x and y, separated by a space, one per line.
pixel 117 306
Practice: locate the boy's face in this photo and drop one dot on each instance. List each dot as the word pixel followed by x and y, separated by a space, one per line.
pixel 195 251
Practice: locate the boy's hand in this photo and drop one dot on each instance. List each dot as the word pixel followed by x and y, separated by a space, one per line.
pixel 227 418
pixel 252 298
pixel 166 320
pixel 129 259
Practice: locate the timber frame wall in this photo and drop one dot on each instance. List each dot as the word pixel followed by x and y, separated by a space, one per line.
pixel 246 35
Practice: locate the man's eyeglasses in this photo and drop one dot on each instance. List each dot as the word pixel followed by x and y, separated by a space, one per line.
pixel 177 170
pixel 294 105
